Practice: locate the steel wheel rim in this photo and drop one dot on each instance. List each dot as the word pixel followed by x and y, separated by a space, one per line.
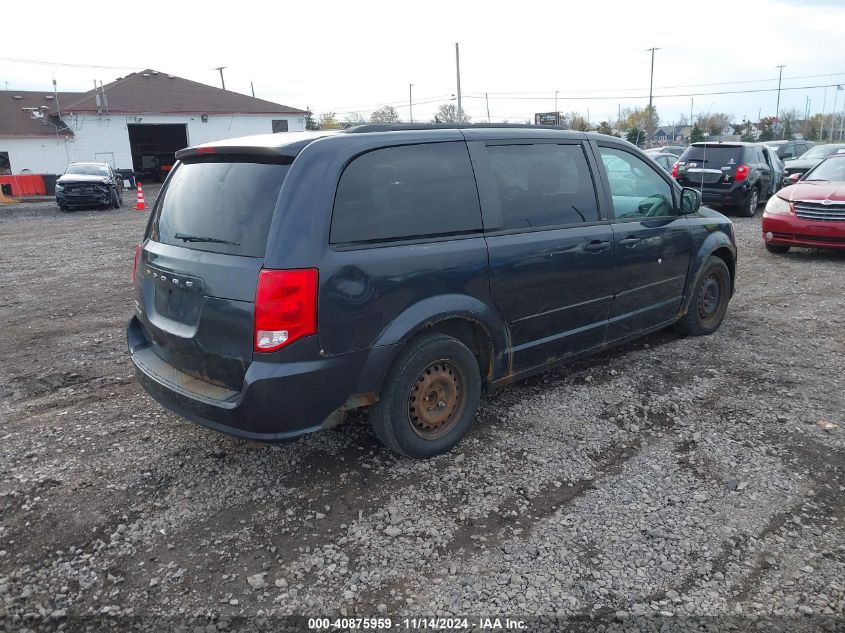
pixel 752 204
pixel 436 400
pixel 709 298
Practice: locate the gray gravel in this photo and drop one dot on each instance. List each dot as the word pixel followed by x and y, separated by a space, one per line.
pixel 676 482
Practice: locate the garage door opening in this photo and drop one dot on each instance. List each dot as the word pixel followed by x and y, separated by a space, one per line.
pixel 154 148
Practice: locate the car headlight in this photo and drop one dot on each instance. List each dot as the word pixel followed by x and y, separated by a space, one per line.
pixel 777 205
pixel 59 186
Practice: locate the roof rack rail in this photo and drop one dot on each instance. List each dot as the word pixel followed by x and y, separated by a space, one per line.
pixel 398 127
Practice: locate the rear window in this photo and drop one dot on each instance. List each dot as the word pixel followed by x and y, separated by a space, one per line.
pixel 406 192
pixel 220 204
pixel 713 155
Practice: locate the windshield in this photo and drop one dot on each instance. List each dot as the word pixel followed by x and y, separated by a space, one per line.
pixel 219 204
pixel 819 151
pixel 88 170
pixel 717 155
pixel 831 169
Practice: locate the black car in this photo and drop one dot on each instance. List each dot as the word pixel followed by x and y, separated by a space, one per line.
pixel 794 169
pixel 86 185
pixel 285 279
pixel 787 150
pixel 665 160
pixel 735 175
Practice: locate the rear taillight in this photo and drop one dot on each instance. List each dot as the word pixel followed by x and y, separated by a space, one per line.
pixel 135 262
pixel 741 173
pixel 285 307
pixel 675 170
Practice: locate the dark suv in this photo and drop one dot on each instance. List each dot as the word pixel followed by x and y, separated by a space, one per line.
pixel 85 185
pixel 734 175
pixel 286 279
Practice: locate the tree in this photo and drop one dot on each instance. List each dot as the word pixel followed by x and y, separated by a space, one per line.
pixel 696 134
pixel 580 123
pixel 788 119
pixel 448 113
pixel 310 123
pixel 639 118
pixel 604 128
pixel 636 136
pixel 767 128
pixel 328 121
pixel 355 118
pixel 385 114
pixel 714 123
pixel 746 131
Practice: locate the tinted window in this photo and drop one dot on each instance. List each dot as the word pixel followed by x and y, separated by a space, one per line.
pixel 407 191
pixel 543 185
pixel 713 155
pixel 222 200
pixel 637 189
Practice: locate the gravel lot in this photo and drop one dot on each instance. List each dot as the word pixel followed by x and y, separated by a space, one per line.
pixel 675 482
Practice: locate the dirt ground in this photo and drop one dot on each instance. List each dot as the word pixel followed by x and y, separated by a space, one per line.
pixel 675 482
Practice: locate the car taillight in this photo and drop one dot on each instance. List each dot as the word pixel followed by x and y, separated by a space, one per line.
pixel 285 307
pixel 135 262
pixel 741 173
pixel 675 170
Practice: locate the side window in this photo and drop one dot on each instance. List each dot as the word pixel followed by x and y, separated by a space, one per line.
pixel 543 185
pixel 637 189
pixel 761 157
pixel 406 191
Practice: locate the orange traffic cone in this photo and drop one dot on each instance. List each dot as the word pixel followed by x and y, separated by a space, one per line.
pixel 139 204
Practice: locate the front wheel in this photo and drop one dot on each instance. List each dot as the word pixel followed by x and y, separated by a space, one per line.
pixel 709 301
pixel 116 199
pixel 429 398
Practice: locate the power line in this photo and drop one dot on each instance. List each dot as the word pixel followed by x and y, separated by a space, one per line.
pixel 18 60
pixel 663 96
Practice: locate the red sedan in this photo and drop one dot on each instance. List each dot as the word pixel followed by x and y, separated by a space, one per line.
pixel 810 213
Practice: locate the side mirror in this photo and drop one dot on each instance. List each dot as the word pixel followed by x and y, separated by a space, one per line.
pixel 690 200
pixel 793 178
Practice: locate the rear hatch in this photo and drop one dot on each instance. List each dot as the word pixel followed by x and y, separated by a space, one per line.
pixel 198 269
pixel 709 164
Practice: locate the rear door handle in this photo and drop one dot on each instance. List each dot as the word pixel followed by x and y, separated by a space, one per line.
pixel 629 241
pixel 597 245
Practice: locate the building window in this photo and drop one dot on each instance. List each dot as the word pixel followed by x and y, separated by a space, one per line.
pixel 5 165
pixel 280 126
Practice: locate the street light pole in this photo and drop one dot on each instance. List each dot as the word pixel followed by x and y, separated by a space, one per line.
pixel 833 112
pixel 458 71
pixel 649 131
pixel 411 101
pixel 777 107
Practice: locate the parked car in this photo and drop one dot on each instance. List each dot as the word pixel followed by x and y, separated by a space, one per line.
pixel 666 161
pixel 794 169
pixel 86 185
pixel 810 213
pixel 675 150
pixel 285 279
pixel 787 149
pixel 735 175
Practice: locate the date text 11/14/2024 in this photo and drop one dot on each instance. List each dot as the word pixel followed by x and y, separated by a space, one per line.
pixel 422 624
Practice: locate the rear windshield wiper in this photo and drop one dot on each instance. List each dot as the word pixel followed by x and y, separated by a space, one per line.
pixel 200 238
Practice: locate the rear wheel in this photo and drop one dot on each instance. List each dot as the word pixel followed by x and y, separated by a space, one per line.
pixel 780 249
pixel 429 397
pixel 710 301
pixel 751 203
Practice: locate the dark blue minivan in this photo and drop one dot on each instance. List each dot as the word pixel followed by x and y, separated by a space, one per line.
pixel 285 279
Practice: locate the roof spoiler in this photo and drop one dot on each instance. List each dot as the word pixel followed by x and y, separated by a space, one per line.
pixel 283 153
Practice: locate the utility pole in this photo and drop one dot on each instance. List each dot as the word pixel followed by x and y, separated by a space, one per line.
pixel 557 116
pixel 411 101
pixel 806 116
pixel 833 112
pixel 777 107
pixel 222 81
pixel 458 71
pixel 842 120
pixel 691 102
pixel 649 131
pixel 824 105
pixel 487 101
pixel 252 87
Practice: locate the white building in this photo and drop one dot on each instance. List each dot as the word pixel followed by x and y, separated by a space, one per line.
pixel 128 122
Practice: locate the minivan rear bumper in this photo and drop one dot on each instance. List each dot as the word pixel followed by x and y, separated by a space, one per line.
pixel 279 400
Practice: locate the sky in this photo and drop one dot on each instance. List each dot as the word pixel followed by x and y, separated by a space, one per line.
pixel 347 57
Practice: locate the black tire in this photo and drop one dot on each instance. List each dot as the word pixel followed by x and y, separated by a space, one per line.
pixel 432 366
pixel 709 301
pixel 116 199
pixel 752 201
pixel 779 249
pixel 63 209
